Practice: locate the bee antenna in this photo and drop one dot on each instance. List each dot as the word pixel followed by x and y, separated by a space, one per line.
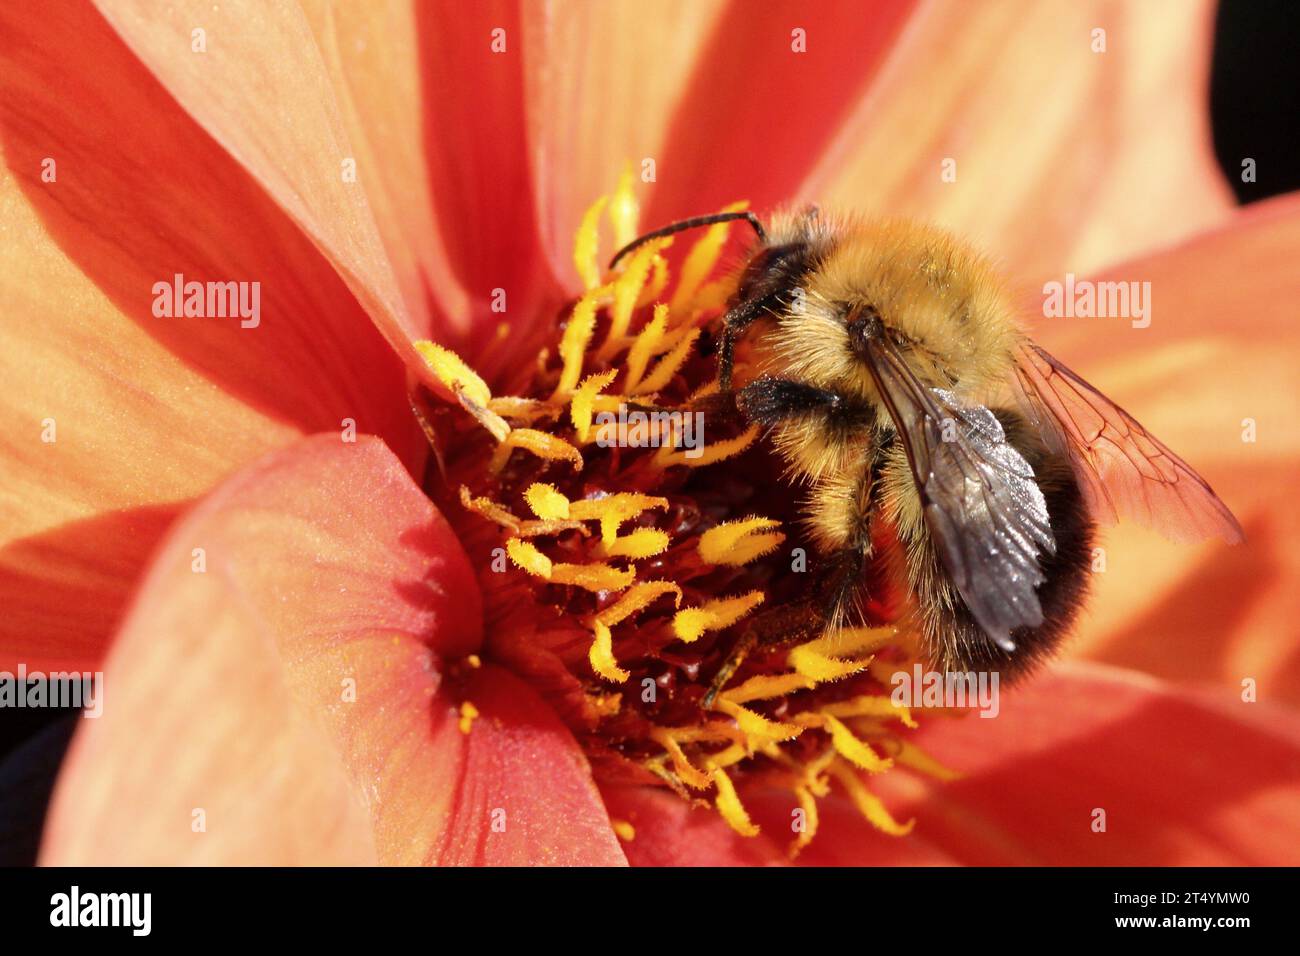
pixel 693 223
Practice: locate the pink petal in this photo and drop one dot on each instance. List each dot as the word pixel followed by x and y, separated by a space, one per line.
pixel 670 832
pixel 328 575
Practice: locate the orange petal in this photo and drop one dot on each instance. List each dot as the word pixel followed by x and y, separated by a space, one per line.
pixel 611 74
pixel 1065 158
pixel 476 141
pixel 1182 780
pixel 303 699
pixel 371 53
pixel 1220 350
pixel 260 65
pixel 146 411
pixel 756 115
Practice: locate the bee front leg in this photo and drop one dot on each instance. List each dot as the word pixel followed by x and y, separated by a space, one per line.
pixel 734 325
pixel 770 401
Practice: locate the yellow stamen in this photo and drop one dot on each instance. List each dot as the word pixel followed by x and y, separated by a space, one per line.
pixel 584 400
pixel 738 752
pixel 601 656
pixel 613 510
pixel 851 641
pixel 871 705
pixel 644 347
pixel 667 456
pixel 520 409
pixel 868 804
pixel 687 771
pixel 667 366
pixel 729 805
pixel 713 732
pixel 452 371
pixel 627 289
pixel 654 289
pixel 821 668
pixel 467 714
pixel 690 623
pixel 576 338
pixel 911 756
pixel 542 444
pixel 853 749
pixel 593 577
pixel 488 509
pixel 526 556
pixel 638 544
pixel 636 598
pixel 624 211
pixel 735 543
pixel 624 830
pixel 765 687
pixel 756 725
pixel 547 503
pixel 463 382
pixel 586 245
pixel 808 804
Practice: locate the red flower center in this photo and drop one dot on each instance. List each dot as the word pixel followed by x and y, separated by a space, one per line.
pixel 642 557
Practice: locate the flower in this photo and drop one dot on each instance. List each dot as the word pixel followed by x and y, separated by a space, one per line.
pixel 228 735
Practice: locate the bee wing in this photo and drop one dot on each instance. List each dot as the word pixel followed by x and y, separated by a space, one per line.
pixel 1122 469
pixel 983 509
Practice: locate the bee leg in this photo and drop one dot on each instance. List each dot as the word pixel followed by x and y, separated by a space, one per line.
pixel 836 595
pixel 739 651
pixel 842 511
pixel 780 626
pixel 767 285
pixel 769 401
pixel 734 324
pixel 841 588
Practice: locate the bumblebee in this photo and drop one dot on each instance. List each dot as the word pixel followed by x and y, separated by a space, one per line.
pixel 896 384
